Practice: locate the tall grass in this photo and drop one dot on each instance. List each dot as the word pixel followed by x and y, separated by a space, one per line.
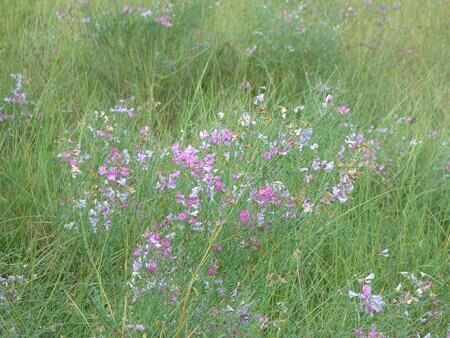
pixel 388 63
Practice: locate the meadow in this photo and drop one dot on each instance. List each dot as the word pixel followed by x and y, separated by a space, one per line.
pixel 224 168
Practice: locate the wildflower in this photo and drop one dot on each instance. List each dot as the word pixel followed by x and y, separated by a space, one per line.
pixel 219 186
pixel 354 141
pixel 213 270
pixel 152 266
pixel 246 120
pixel 168 182
pixel 304 136
pixel 344 110
pixel 370 303
pixel 144 132
pixel 218 137
pixel 146 13
pixel 266 196
pixel 384 253
pixel 183 216
pixel 373 333
pixel 18 95
pixel 308 206
pixel 244 216
pixel 123 108
pixel 329 99
pixel 165 21
pixel 342 190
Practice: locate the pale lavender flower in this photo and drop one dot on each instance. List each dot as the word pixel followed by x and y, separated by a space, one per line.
pixel 304 136
pixel 372 333
pixel 123 108
pixel 354 140
pixel 18 95
pixel 370 303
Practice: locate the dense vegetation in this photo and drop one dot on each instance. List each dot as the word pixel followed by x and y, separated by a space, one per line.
pixel 224 168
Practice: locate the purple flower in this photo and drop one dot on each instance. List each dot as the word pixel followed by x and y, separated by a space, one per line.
pixel 222 136
pixel 304 137
pixel 370 303
pixel 219 186
pixel 373 333
pixel 113 174
pixel 270 154
pixel 355 141
pixel 343 189
pixel 168 182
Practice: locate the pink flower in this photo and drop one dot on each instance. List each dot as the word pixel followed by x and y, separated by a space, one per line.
pixel 266 196
pixel 113 174
pixel 165 21
pixel 152 266
pixel 344 110
pixel 183 216
pixel 219 186
pixel 244 216
pixel 154 239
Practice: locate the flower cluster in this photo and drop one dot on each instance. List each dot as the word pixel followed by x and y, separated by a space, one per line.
pixel 18 96
pixel 372 333
pixel 218 137
pixel 153 264
pixel 370 303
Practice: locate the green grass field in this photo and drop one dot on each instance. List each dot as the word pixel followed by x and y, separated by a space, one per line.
pixel 224 168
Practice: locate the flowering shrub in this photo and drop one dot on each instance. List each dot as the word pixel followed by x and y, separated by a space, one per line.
pixel 209 191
